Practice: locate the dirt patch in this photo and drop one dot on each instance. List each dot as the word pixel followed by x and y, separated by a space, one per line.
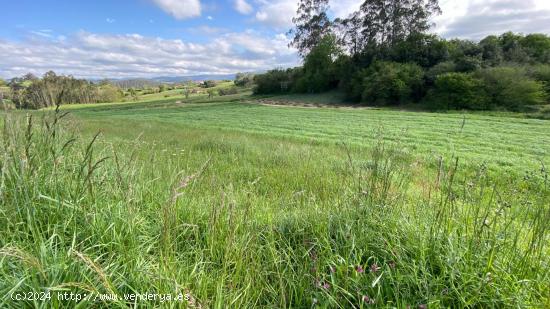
pixel 289 103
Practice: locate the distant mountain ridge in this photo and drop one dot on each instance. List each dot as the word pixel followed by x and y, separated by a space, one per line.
pixel 179 79
pixel 156 81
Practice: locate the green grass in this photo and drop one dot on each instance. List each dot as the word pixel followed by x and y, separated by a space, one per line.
pixel 503 142
pixel 240 205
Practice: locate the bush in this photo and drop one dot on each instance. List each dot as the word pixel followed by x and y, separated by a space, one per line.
pixel 389 83
pixel 276 81
pixel 228 91
pixel 440 69
pixel 458 91
pixel 209 84
pixel 541 73
pixel 318 72
pixel 511 88
pixel 109 93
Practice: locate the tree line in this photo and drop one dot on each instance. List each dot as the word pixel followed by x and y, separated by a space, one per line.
pixel 383 54
pixel 31 92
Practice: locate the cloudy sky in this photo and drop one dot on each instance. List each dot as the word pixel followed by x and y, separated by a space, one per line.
pixel 148 38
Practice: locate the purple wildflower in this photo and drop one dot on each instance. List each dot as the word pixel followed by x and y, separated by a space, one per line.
pixel 367 299
pixel 374 268
pixel 360 269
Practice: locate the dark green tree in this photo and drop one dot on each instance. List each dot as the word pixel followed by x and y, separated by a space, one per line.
pixel 318 71
pixel 387 22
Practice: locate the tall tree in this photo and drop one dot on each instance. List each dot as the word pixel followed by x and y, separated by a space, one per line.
pixel 311 25
pixel 387 22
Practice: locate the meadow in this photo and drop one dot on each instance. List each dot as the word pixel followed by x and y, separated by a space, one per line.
pixel 237 204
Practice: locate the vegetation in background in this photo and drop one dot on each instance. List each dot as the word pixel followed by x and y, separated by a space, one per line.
pixel 51 90
pixel 396 32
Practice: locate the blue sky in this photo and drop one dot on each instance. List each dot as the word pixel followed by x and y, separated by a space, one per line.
pixel 147 38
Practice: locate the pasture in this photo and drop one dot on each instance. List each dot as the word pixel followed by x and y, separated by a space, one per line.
pixel 236 204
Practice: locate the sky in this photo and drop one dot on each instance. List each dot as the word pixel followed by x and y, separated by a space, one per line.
pixel 152 38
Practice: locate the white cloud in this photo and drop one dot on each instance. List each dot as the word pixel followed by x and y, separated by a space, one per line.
pixel 180 9
pixel 475 19
pixel 90 55
pixel 343 8
pixel 277 14
pixel 243 7
pixel 110 20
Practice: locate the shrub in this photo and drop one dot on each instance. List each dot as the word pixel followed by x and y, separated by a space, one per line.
pixel 389 83
pixel 458 91
pixel 318 72
pixel 511 87
pixel 228 91
pixel 109 93
pixel 276 81
pixel 440 69
pixel 209 84
pixel 541 73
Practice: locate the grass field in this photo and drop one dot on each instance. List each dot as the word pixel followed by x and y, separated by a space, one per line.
pixel 235 204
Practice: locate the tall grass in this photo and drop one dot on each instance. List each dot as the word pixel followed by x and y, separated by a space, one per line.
pixel 94 217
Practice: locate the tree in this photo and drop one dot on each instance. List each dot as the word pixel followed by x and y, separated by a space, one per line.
pixel 386 22
pixel 186 92
pixel 30 77
pixel 511 88
pixel 389 83
pixel 458 91
pixel 211 93
pixel 491 51
pixel 537 46
pixel 318 72
pixel 162 88
pixel 512 49
pixel 311 25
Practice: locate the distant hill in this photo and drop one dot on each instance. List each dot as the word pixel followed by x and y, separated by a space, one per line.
pixel 134 83
pixel 156 81
pixel 179 79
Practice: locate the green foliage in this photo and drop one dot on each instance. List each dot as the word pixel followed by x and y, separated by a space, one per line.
pixel 162 88
pixel 3 83
pixel 276 81
pixel 311 25
pixel 511 87
pixel 492 53
pixel 209 84
pixel 422 49
pixel 541 73
pixel 440 69
pixel 109 93
pixel 228 91
pixel 211 93
pixel 51 90
pixel 318 71
pixel 458 91
pixel 537 46
pixel 389 83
